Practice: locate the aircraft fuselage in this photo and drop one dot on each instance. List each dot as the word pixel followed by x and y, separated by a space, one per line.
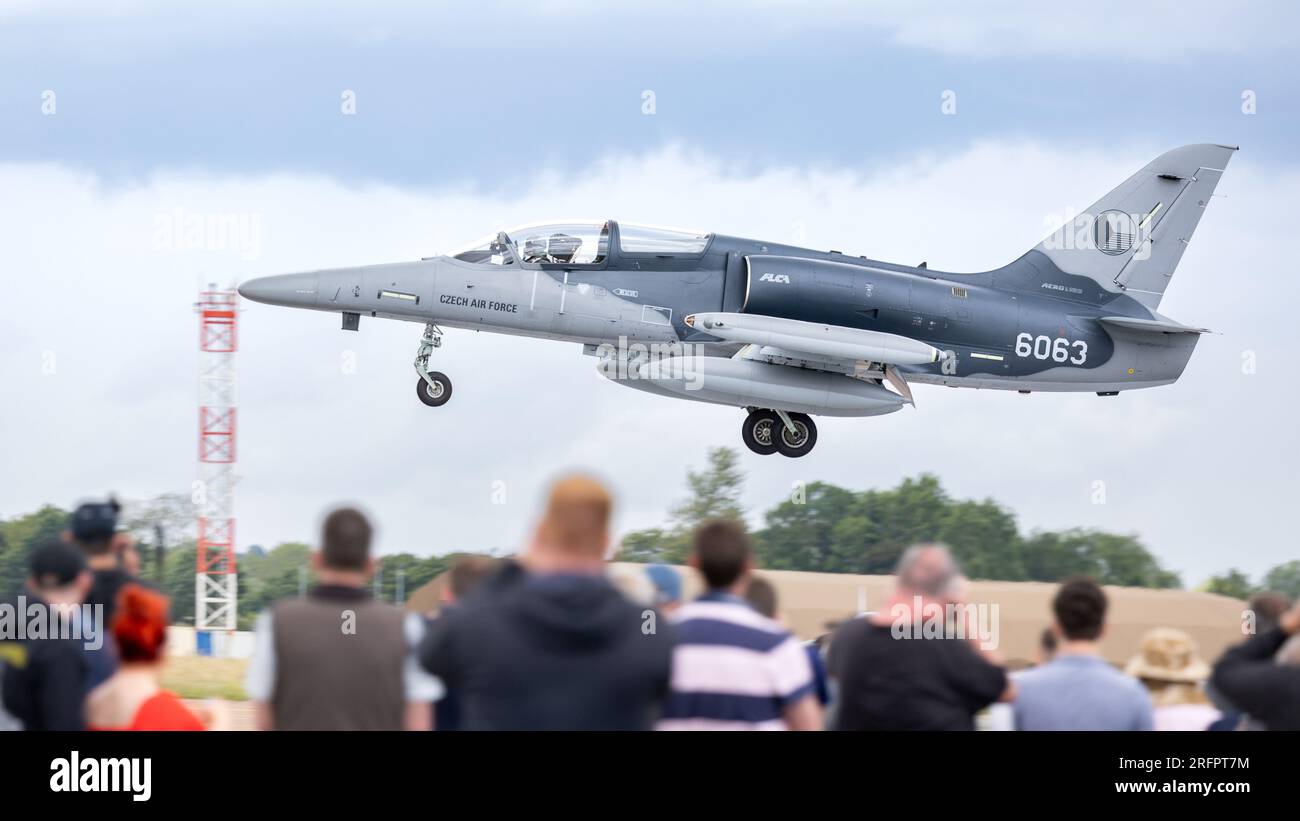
pixel 1008 329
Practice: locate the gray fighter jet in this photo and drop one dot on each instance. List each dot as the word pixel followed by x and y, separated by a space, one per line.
pixel 788 333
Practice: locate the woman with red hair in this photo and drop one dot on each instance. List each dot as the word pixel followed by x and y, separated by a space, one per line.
pixel 133 698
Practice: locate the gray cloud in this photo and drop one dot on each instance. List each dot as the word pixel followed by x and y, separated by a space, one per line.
pixel 1157 31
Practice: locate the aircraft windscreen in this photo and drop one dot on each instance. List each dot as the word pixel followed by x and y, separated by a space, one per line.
pixel 492 251
pixel 566 244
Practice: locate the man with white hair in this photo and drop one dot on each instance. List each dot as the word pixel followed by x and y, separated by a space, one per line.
pixel 908 667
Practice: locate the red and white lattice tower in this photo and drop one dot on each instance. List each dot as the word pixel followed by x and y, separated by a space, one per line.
pixel 215 581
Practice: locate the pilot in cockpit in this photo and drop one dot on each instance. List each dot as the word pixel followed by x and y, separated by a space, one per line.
pixel 556 248
pixel 562 247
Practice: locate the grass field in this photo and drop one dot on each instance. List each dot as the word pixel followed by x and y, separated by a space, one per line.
pixel 201 677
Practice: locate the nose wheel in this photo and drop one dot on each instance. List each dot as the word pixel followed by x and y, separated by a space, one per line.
pixel 791 434
pixel 433 387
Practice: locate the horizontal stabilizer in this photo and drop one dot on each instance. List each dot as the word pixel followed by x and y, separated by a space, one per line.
pixel 1152 325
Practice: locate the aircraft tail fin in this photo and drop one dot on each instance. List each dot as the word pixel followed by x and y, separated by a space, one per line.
pixel 1130 241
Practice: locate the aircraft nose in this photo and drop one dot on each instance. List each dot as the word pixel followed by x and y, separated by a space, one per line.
pixel 289 290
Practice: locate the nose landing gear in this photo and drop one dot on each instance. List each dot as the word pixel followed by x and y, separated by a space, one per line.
pixel 767 431
pixel 433 387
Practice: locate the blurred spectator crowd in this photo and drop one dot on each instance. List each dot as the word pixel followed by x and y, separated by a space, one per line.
pixel 546 641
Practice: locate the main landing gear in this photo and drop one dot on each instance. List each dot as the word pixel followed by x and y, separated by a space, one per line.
pixel 767 431
pixel 433 387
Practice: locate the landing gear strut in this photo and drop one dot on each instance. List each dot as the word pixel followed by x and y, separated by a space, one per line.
pixel 791 434
pixel 433 387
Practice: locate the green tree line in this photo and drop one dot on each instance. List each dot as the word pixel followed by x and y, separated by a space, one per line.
pixel 1284 579
pixel 820 527
pixel 264 575
pixel 826 528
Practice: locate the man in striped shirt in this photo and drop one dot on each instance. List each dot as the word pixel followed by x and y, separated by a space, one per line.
pixel 734 669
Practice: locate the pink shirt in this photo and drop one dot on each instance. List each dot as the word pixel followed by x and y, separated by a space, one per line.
pixel 1185 717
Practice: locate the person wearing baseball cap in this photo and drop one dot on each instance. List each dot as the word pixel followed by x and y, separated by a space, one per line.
pixel 44 679
pixel 94 523
pixel 111 557
pixel 667 585
pixel 94 529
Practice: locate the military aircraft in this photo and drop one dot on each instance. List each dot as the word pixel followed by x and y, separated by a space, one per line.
pixel 788 333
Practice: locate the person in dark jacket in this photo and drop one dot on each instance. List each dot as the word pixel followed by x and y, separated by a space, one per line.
pixel 1267 608
pixel 548 642
pixel 464 577
pixel 892 675
pixel 44 681
pixel 113 561
pixel 1253 678
pixel 93 527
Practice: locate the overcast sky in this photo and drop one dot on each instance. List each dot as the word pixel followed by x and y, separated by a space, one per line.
pixel 819 126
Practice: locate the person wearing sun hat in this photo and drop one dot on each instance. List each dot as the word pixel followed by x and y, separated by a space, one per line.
pixel 1168 665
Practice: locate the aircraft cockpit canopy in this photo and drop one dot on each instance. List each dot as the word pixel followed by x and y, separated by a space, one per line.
pixel 564 244
pixel 646 239
pixel 580 244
